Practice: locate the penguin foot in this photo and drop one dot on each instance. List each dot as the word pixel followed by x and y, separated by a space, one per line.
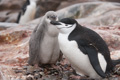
pixel 32 69
pixel 108 74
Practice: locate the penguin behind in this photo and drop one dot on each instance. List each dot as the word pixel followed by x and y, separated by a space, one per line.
pixel 43 44
pixel 85 49
pixel 27 12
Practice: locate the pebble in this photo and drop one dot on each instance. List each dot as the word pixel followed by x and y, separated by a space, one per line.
pixel 29 77
pixel 18 71
pixel 37 76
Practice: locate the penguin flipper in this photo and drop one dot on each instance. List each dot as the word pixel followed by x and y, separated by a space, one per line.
pixel 93 57
pixel 18 18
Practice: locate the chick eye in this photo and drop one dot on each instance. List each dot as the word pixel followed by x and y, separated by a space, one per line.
pixel 48 17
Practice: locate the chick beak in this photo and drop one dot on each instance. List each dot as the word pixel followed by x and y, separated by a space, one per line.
pixel 55 22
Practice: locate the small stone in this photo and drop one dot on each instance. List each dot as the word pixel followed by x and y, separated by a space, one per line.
pixel 36 71
pixel 37 76
pixel 25 67
pixel 30 69
pixel 56 73
pixel 18 71
pixel 42 73
pixel 29 77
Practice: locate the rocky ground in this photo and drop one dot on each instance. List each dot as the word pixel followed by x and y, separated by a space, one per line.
pixel 14 38
pixel 14 55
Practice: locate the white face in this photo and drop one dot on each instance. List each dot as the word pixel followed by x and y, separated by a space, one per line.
pixel 50 16
pixel 66 28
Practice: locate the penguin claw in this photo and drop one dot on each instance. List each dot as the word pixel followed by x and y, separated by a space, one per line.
pixel 108 74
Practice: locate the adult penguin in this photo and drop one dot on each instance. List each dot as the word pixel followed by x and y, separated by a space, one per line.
pixel 85 49
pixel 43 44
pixel 28 12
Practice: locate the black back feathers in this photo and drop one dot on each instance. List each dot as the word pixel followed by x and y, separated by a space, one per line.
pixel 68 21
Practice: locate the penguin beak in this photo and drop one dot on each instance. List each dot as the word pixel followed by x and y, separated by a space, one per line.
pixel 55 23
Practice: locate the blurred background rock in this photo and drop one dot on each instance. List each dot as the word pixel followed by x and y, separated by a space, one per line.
pixel 9 9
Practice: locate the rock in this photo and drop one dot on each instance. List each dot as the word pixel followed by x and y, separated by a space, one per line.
pixel 3 16
pixel 115 54
pixel 43 6
pixel 93 13
pixel 4 26
pixel 71 2
pixel 2 77
pixel 9 10
pixel 112 39
pixel 9 4
pixel 29 78
pixel 37 76
pixel 12 17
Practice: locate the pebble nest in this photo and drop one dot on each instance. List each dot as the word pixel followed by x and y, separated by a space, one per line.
pixel 60 71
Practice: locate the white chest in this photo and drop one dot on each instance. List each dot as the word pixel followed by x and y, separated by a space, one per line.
pixel 69 48
pixel 65 44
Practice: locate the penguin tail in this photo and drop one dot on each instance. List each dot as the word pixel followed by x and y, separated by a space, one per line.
pixel 116 62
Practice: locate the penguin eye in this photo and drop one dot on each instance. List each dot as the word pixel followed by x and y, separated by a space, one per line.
pixel 66 24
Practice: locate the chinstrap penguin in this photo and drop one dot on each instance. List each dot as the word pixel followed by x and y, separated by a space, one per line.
pixel 27 12
pixel 43 44
pixel 85 49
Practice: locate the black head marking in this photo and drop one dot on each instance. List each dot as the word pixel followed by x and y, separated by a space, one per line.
pixel 55 23
pixel 25 6
pixel 68 21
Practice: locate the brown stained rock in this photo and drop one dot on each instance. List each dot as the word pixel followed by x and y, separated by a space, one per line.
pixel 115 54
pixel 112 40
pixel 8 7
pixel 13 37
pixel 93 13
pixel 10 4
pixel 46 5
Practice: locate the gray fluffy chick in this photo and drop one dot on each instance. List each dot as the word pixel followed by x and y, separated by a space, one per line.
pixel 43 44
